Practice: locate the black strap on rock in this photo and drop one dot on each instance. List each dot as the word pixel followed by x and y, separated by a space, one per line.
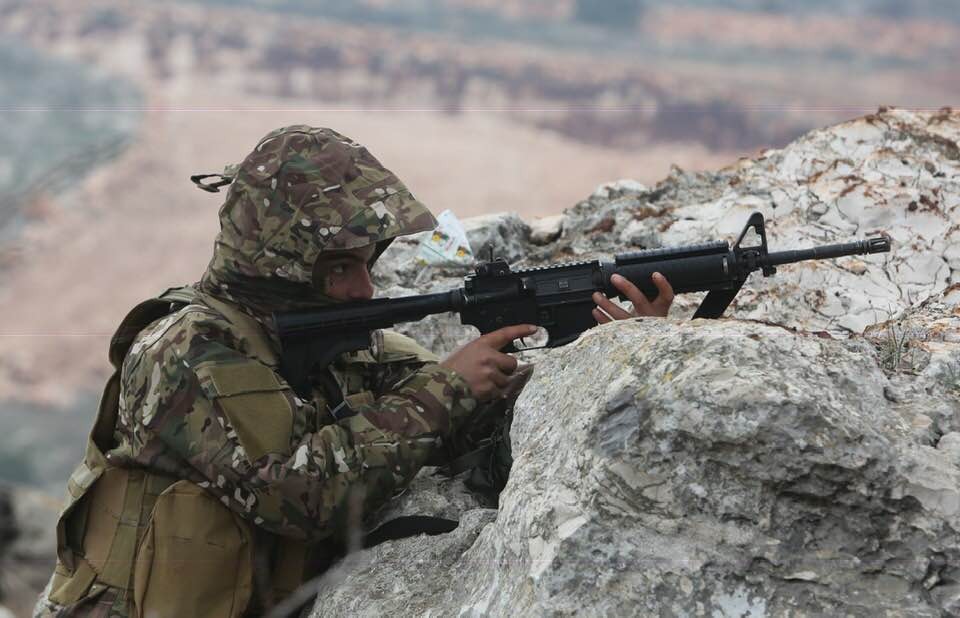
pixel 407 526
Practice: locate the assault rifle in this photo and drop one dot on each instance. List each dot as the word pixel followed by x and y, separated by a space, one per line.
pixel 557 298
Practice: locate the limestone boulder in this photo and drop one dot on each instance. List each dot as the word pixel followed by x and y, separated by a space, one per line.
pixel 700 468
pixel 505 234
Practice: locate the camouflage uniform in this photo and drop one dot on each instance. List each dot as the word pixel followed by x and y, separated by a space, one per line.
pixel 214 464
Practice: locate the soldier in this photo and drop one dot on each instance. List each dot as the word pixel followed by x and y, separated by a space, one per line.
pixel 209 488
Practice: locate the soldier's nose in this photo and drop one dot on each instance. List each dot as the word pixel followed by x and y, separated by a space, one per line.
pixel 362 288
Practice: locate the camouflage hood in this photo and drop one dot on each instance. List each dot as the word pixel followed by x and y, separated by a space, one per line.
pixel 303 190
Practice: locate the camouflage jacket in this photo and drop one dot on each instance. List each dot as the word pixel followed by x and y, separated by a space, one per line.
pixel 201 399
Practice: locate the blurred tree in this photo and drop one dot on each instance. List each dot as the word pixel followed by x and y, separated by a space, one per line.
pixel 609 13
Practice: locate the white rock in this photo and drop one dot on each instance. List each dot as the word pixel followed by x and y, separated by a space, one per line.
pixel 544 230
pixel 619 186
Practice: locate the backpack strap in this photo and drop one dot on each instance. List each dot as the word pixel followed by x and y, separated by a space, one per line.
pixel 136 320
pixel 252 331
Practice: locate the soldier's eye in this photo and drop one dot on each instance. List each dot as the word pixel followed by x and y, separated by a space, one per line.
pixel 338 269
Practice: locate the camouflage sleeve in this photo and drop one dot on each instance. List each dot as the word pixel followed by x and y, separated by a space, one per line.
pixel 248 439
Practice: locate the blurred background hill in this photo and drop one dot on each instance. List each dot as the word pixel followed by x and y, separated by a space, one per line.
pixel 481 106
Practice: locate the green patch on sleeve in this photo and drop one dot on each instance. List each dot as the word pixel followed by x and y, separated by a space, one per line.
pixel 253 400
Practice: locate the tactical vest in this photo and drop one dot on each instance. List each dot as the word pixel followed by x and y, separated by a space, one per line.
pixel 170 548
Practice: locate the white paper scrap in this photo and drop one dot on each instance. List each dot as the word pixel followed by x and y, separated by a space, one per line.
pixel 447 244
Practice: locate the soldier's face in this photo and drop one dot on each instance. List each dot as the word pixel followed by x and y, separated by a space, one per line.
pixel 345 273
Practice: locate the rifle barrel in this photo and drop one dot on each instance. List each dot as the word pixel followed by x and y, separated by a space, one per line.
pixel 878 244
pixel 368 314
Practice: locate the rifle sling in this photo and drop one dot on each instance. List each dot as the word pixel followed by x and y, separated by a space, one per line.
pixel 407 526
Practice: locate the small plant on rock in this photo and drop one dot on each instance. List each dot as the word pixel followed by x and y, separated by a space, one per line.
pixel 898 349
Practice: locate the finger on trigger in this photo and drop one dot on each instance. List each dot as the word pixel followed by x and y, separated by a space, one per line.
pixel 499 338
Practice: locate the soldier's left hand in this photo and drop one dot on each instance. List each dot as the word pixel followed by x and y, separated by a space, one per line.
pixel 607 310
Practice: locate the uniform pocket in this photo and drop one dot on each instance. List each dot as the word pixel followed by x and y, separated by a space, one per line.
pixel 195 558
pixel 254 400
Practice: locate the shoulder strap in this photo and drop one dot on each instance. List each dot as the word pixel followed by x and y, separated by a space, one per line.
pixel 139 318
pixel 253 332
pixel 135 321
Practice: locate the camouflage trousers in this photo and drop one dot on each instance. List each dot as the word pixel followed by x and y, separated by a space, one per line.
pixel 107 603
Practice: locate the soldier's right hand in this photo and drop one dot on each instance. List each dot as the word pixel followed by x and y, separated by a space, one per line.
pixel 481 363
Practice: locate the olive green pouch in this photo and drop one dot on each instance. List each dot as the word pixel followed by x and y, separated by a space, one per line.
pixel 195 558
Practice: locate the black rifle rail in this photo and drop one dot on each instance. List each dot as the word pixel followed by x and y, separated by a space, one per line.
pixel 650 255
